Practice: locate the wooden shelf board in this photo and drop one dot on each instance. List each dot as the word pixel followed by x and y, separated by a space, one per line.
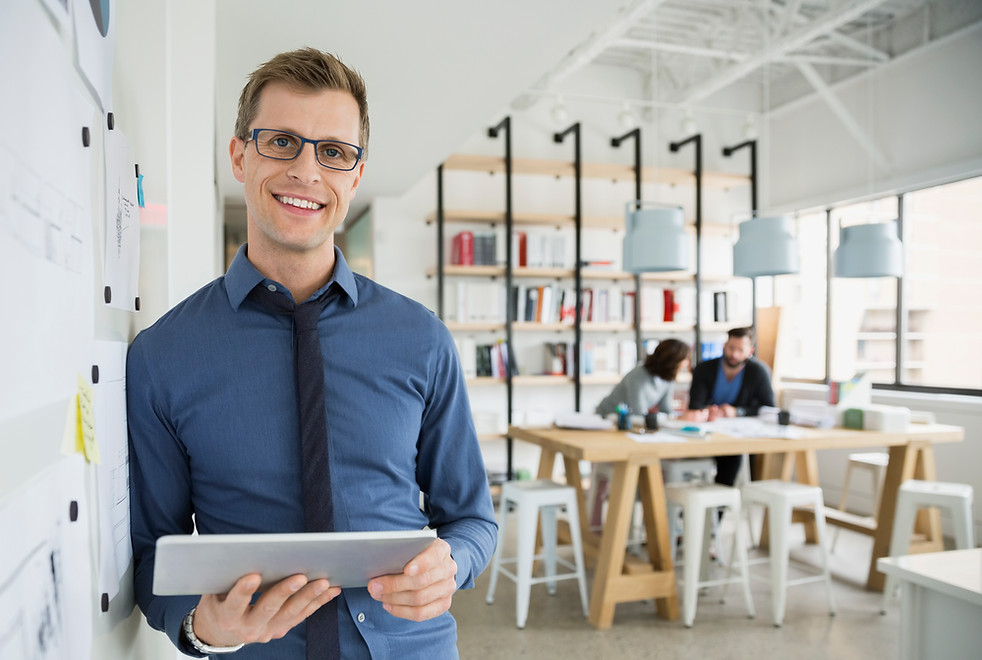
pixel 648 326
pixel 532 326
pixel 541 380
pixel 670 276
pixel 485 380
pixel 610 171
pixel 553 273
pixel 618 326
pixel 600 379
pixel 454 326
pixel 469 271
pixel 560 220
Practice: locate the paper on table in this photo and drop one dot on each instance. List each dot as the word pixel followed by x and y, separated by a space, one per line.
pixel 657 436
pixel 586 421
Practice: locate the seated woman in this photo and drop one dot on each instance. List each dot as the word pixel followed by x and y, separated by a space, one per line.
pixel 648 386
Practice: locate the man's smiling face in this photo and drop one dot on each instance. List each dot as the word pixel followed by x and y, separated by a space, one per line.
pixel 294 206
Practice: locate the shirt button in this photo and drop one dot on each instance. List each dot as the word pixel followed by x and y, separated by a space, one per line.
pixel 361 617
pixel 271 287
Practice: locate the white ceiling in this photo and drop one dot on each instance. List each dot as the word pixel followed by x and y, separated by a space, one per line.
pixel 440 70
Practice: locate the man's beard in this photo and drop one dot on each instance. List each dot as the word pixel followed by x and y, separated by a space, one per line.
pixel 734 365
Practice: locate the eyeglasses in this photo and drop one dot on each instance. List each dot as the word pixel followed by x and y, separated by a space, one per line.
pixel 281 145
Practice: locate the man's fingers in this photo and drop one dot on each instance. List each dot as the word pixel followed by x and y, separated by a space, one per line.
pixel 294 609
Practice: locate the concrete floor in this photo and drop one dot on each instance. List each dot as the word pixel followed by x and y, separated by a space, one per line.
pixel 556 627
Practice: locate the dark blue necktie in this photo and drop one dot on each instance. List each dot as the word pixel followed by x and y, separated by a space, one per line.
pixel 318 507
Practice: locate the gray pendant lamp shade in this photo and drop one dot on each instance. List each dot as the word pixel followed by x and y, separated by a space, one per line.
pixel 766 247
pixel 871 250
pixel 655 240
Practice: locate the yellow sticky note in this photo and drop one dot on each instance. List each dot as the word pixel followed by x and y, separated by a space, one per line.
pixel 71 441
pixel 79 439
pixel 86 418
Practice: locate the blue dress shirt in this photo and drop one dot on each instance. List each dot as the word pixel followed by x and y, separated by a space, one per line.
pixel 214 434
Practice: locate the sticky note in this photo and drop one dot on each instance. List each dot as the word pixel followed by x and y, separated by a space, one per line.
pixel 86 420
pixel 71 440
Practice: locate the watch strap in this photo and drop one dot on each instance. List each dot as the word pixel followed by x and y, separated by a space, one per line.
pixel 200 646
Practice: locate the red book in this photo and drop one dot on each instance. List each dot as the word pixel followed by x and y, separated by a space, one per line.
pixel 462 249
pixel 670 308
pixel 520 249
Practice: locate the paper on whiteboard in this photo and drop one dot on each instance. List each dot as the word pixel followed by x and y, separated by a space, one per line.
pixel 45 576
pixel 112 480
pixel 95 43
pixel 45 214
pixel 121 267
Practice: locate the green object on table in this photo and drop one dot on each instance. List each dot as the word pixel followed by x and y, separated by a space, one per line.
pixel 523 475
pixel 853 418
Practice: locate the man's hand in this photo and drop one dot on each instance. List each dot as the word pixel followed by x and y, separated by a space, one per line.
pixel 425 588
pixel 701 415
pixel 230 619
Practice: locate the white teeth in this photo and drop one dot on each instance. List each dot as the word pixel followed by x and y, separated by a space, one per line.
pixel 300 203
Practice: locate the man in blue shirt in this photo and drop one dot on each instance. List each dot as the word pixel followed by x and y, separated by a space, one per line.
pixel 213 414
pixel 734 385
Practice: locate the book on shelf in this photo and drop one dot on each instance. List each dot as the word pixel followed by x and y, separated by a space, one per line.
pixel 609 356
pixel 467 350
pixel 519 249
pixel 721 309
pixel 462 249
pixel 489 360
pixel 555 358
pixel 546 250
pixel 478 302
pixel 607 305
pixel 485 249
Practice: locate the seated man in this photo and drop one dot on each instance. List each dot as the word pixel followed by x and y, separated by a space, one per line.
pixel 734 385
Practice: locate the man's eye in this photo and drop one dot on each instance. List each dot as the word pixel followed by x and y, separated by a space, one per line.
pixel 281 141
pixel 329 151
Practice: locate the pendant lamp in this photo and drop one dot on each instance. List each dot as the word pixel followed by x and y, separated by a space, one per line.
pixel 655 240
pixel 870 250
pixel 766 247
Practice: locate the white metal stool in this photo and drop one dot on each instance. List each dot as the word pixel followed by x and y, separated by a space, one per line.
pixel 780 498
pixel 699 502
pixel 914 494
pixel 673 470
pixel 531 498
pixel 875 463
pixel 680 470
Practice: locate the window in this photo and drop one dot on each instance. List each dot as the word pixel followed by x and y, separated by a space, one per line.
pixel 941 286
pixel 864 310
pixel 802 300
pixel 931 319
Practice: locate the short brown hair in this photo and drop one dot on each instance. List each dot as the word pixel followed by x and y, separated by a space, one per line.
pixel 665 360
pixel 748 332
pixel 306 69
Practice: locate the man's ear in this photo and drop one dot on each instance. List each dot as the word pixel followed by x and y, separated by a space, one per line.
pixel 359 172
pixel 236 153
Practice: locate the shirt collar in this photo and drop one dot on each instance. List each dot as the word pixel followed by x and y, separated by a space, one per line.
pixel 242 277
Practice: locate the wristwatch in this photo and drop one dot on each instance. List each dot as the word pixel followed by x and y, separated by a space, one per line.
pixel 200 646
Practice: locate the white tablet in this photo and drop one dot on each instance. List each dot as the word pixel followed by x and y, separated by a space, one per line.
pixel 213 563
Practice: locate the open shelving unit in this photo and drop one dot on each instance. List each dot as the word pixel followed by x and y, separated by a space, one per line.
pixel 508 274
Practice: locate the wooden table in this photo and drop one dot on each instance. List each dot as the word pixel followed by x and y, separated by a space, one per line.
pixel 620 577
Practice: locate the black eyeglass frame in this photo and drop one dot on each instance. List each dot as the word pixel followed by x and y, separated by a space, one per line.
pixel 303 141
